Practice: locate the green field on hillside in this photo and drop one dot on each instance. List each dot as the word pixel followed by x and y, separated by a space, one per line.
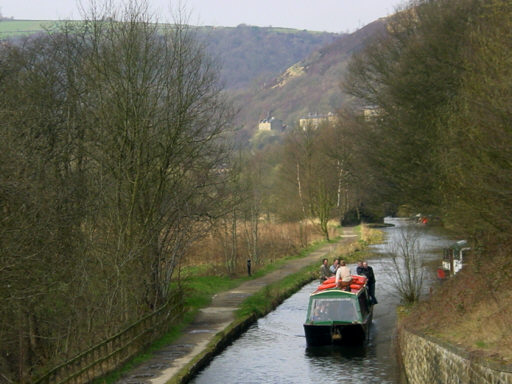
pixel 9 28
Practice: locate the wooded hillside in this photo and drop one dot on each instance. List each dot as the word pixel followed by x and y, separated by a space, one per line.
pixel 249 55
pixel 311 85
pixel 245 54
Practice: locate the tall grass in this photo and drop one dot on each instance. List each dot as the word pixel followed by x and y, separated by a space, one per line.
pixel 275 241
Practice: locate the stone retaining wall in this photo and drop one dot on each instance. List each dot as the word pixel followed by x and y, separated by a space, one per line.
pixel 429 361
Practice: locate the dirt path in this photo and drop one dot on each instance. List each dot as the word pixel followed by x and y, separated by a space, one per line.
pixel 169 361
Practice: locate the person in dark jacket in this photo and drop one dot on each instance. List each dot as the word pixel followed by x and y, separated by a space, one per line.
pixel 359 269
pixel 367 271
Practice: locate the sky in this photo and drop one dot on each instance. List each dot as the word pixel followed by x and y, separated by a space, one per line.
pixel 315 15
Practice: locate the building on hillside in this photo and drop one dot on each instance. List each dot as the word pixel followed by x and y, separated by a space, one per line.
pixel 271 124
pixel 371 113
pixel 314 120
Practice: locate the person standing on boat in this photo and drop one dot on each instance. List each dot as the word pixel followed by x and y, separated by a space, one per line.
pixel 343 276
pixel 359 269
pixel 325 273
pixel 368 272
pixel 334 267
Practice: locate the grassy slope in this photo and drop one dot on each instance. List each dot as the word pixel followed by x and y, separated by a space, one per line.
pixel 472 310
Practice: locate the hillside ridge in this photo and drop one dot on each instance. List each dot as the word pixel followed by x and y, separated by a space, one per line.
pixel 244 54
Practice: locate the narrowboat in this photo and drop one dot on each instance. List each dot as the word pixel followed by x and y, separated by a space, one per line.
pixel 338 316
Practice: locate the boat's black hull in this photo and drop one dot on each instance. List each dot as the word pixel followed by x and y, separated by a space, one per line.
pixel 317 335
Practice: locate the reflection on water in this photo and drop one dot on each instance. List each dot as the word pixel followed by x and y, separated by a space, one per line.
pixel 274 349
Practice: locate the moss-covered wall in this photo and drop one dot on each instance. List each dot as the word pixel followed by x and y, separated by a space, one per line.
pixel 426 360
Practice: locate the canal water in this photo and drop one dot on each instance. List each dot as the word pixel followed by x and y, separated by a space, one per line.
pixel 274 349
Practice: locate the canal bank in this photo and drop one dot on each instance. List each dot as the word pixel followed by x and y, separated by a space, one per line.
pixel 426 359
pixel 218 324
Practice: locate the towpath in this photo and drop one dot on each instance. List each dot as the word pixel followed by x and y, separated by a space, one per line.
pixel 168 362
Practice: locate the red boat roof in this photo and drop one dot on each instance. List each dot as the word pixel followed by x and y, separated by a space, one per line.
pixel 357 283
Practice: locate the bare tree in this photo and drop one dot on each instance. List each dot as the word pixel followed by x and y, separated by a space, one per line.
pixel 310 176
pixel 407 272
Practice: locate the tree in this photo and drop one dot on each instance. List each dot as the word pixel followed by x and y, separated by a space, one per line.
pixel 42 199
pixel 156 116
pixel 309 177
pixel 407 271
pixel 409 75
pixel 113 155
pixel 439 81
pixel 478 139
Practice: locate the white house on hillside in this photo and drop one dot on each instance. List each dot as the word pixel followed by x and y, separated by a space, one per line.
pixel 270 124
pixel 314 120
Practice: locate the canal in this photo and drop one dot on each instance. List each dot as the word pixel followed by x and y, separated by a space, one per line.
pixel 274 350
